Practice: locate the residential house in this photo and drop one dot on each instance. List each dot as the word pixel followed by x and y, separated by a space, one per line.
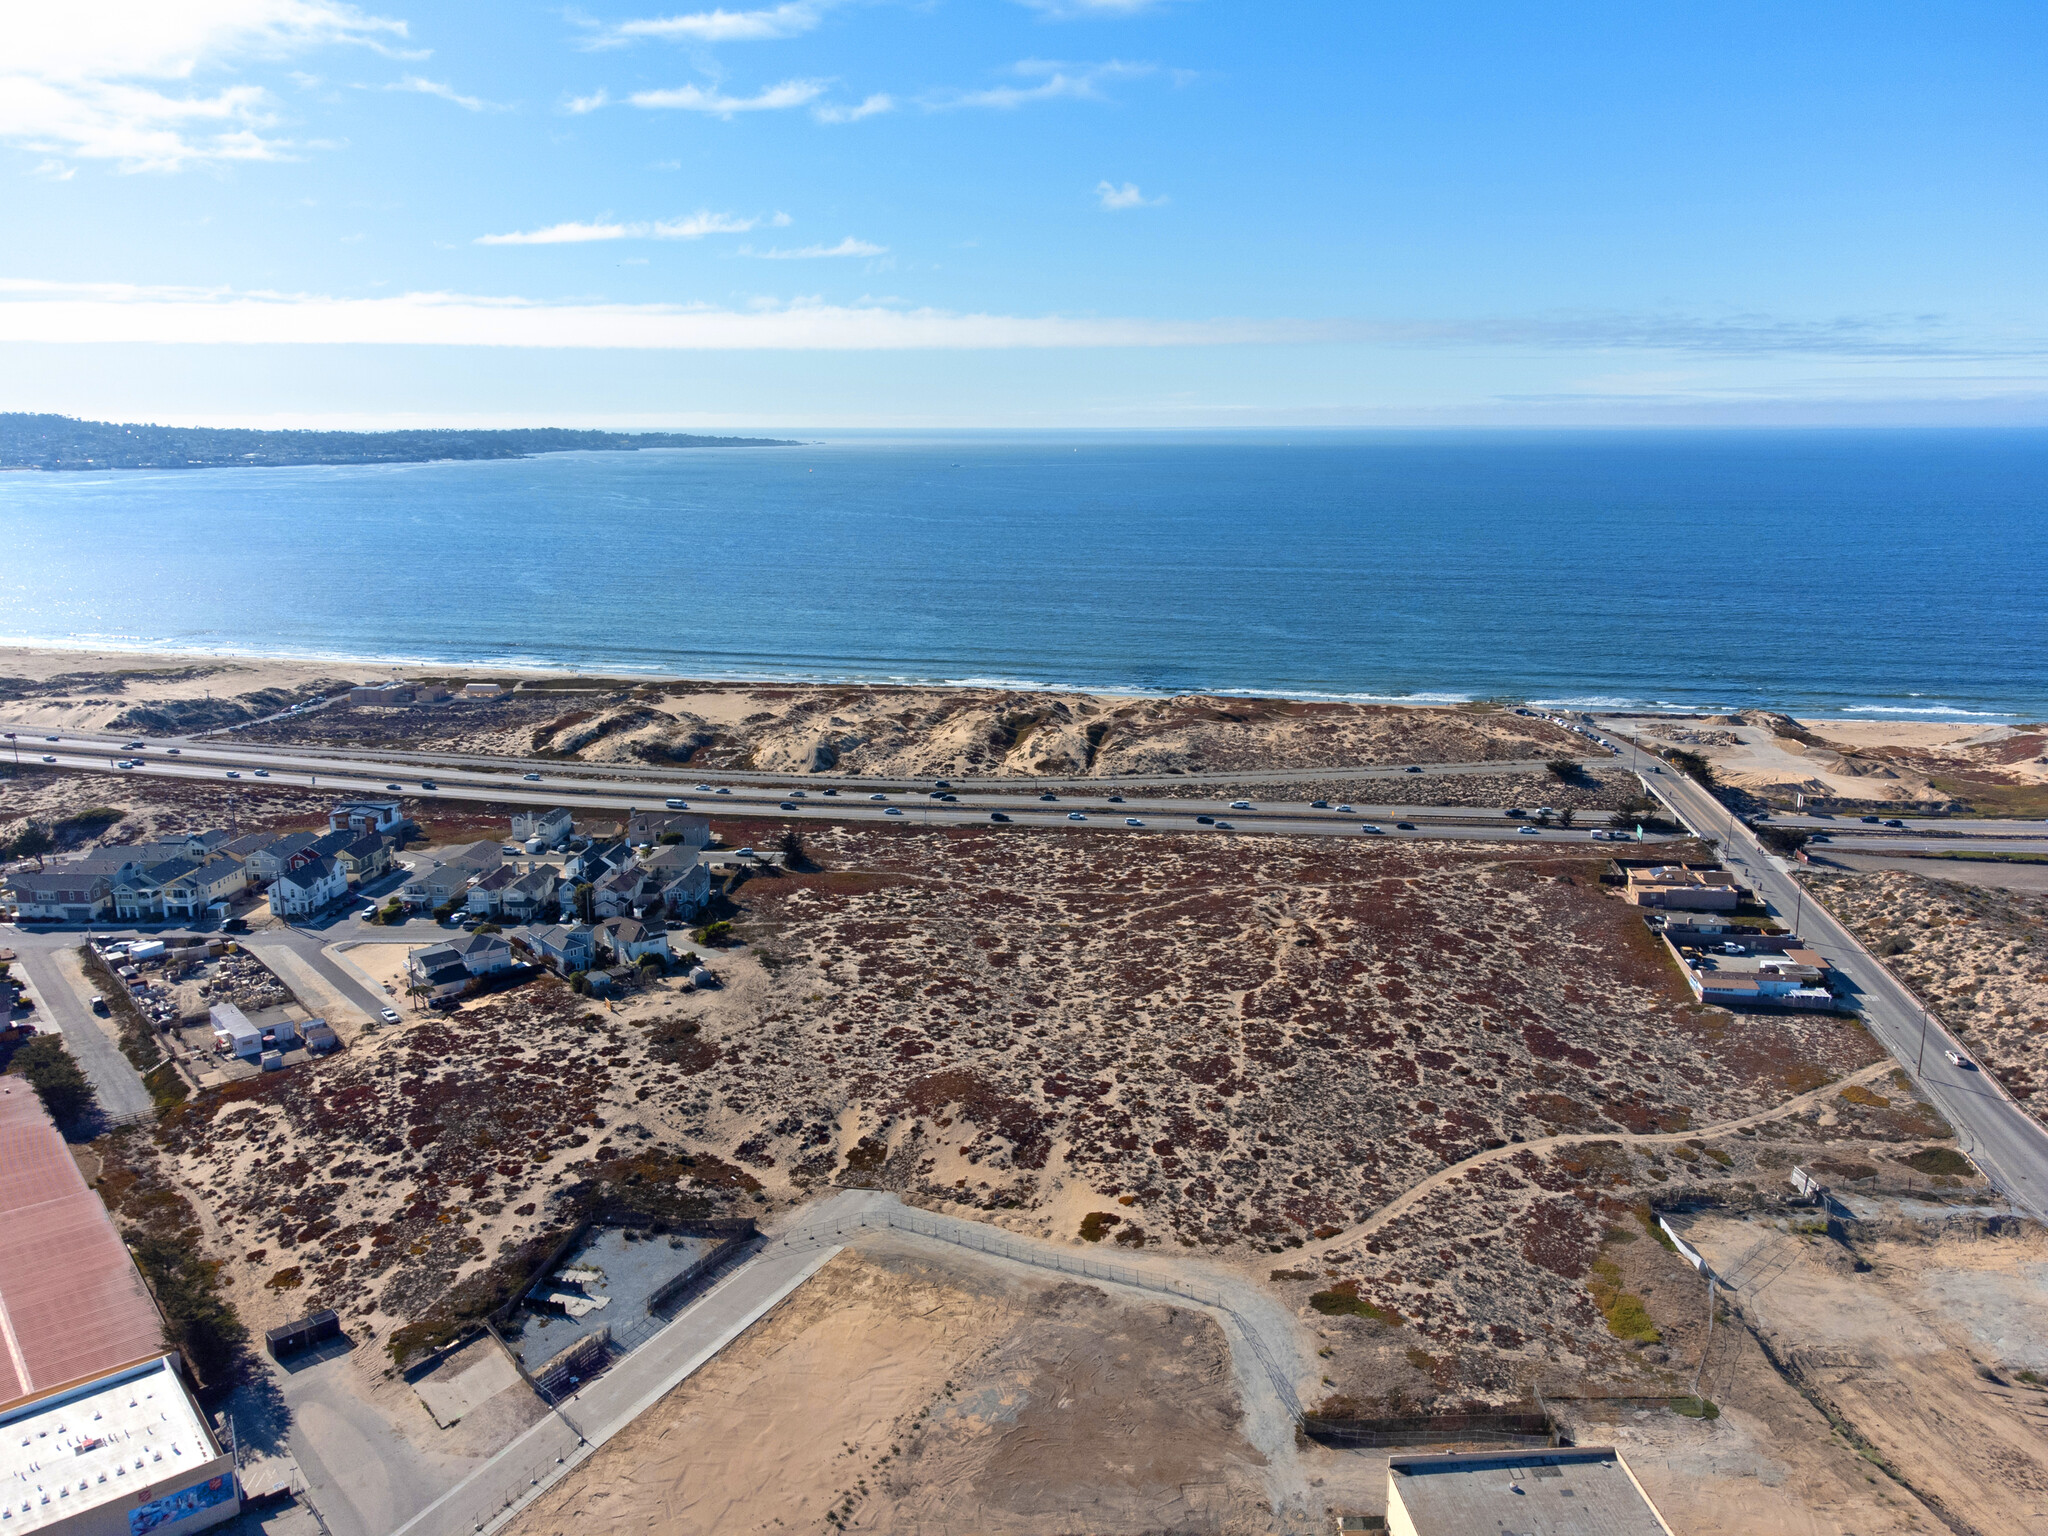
pixel 626 939
pixel 74 891
pixel 305 888
pixel 478 858
pixel 241 847
pixel 367 858
pixel 685 893
pixel 486 954
pixel 365 816
pixel 265 864
pixel 624 893
pixel 592 864
pixel 647 828
pixel 553 828
pixel 190 894
pixel 432 883
pixel 437 971
pixel 564 947
pixel 139 891
pixel 506 893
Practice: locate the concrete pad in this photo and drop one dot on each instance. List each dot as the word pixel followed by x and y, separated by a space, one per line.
pixel 308 985
pixel 465 1381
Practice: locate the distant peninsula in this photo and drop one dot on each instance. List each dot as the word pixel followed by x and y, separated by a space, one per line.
pixel 61 442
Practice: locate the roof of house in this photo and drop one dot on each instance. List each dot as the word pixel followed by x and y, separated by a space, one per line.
pixel 555 936
pixel 308 876
pixel 444 973
pixel 71 1301
pixel 497 879
pixel 367 845
pixel 483 851
pixel 539 878
pixel 218 869
pixel 476 944
pixel 631 930
pixel 246 844
pixel 291 843
pixel 432 955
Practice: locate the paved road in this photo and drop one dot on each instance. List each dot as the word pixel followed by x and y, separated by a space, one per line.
pixel 115 1082
pixel 2000 1137
pixel 367 775
pixel 1945 826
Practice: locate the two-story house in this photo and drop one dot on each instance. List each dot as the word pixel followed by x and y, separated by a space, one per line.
pixel 305 888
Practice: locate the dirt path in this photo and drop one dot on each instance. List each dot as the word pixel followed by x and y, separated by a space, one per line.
pixel 1416 1192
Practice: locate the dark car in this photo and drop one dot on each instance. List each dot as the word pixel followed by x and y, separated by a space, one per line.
pixel 1514 813
pixel 1048 795
pixel 1205 821
pixel 997 816
pixel 1116 799
pixel 829 791
pixel 937 794
pixel 1895 822
pixel 99 1006
pixel 1405 826
pixel 942 783
pixel 1415 770
pixel 787 805
pixel 235 925
pixel 1873 820
pixel 1319 805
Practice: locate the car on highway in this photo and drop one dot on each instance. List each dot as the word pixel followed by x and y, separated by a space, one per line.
pixel 797 794
pixel 174 751
pixel 428 784
pixel 878 797
pixel 1345 810
pixel 1895 822
pixel 389 1015
pixel 1116 799
pixel 744 853
pixel 997 816
pixel 1048 795
pixel 49 757
pixel 532 778
pixel 1240 805
pixel 1415 770
pixel 1957 1058
pixel 1319 805
pixel 1224 826
pixel 1205 821
pixel 828 792
pixel 1075 816
pixel 942 783
pixel 675 804
pixel 262 773
pixel 53 738
pixel 721 790
pixel 232 774
pixel 1873 820
pixel 1369 827
pixel 937 794
pixel 894 810
pixel 1528 831
pixel 1132 821
pixel 702 789
pixel 787 805
pixel 394 785
pixel 125 762
pixel 135 746
pixel 1514 813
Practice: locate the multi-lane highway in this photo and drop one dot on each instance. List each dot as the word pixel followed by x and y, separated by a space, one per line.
pixel 1998 1135
pixel 1062 804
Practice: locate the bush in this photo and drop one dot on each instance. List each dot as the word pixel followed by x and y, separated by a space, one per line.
pixel 56 1079
pixel 1564 769
pixel 670 839
pixel 33 843
pixel 713 934
pixel 196 1317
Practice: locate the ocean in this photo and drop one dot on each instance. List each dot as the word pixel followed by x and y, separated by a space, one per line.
pixel 1892 574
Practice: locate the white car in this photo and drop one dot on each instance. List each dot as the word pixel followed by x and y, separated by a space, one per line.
pixel 1132 821
pixel 894 810
pixel 1958 1059
pixel 49 757
pixel 1240 805
pixel 1075 816
pixel 702 789
pixel 389 1015
pixel 232 774
pixel 1528 831
pixel 677 805
pixel 1369 827
pixel 1345 810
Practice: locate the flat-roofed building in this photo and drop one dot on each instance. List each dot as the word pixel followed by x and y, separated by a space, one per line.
pixel 1584 1491
pixel 72 1306
pixel 1684 887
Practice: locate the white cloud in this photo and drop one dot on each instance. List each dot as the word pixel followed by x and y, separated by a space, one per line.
pixel 695 227
pixel 425 87
pixel 54 169
pixel 590 103
pixel 847 247
pixel 1055 80
pixel 91 86
pixel 34 311
pixel 693 98
pixel 1115 199
pixel 825 112
pixel 721 25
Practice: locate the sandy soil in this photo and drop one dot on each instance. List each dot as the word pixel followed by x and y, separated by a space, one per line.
pixel 68 805
pixel 935 1397
pixel 1978 957
pixel 1920 1353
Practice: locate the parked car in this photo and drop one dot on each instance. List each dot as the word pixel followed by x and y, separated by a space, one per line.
pixel 99 1006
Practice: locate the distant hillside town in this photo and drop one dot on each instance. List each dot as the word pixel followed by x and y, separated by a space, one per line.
pixel 62 442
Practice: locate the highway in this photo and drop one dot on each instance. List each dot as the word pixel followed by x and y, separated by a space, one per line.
pixel 1997 1134
pixel 582 787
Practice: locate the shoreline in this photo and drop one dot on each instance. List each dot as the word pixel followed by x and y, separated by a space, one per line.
pixel 36 658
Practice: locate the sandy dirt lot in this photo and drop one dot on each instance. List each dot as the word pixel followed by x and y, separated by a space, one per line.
pixel 1977 957
pixel 936 1396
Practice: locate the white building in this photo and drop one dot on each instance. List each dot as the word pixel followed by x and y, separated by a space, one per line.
pixel 303 891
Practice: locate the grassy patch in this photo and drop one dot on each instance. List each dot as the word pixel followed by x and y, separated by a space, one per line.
pixel 1096 1224
pixel 1648 1218
pixel 1856 1093
pixel 1626 1318
pixel 1941 1161
pixel 55 1077
pixel 1343 1300
pixel 167 1086
pixel 1988 857
pixel 2024 800
pixel 1695 1408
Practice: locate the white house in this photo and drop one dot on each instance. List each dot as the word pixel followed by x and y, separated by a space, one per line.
pixel 553 828
pixel 305 890
pixel 437 971
pixel 365 816
pixel 626 939
pixel 566 947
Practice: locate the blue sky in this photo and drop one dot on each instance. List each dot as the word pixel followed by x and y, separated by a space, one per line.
pixel 1025 213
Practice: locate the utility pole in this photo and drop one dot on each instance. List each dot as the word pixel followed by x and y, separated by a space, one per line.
pixel 1699 1374
pixel 1920 1066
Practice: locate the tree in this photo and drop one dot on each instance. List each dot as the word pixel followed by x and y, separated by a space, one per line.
pixel 586 898
pixel 56 1079
pixel 793 852
pixel 33 843
pixel 1567 816
pixel 1564 769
